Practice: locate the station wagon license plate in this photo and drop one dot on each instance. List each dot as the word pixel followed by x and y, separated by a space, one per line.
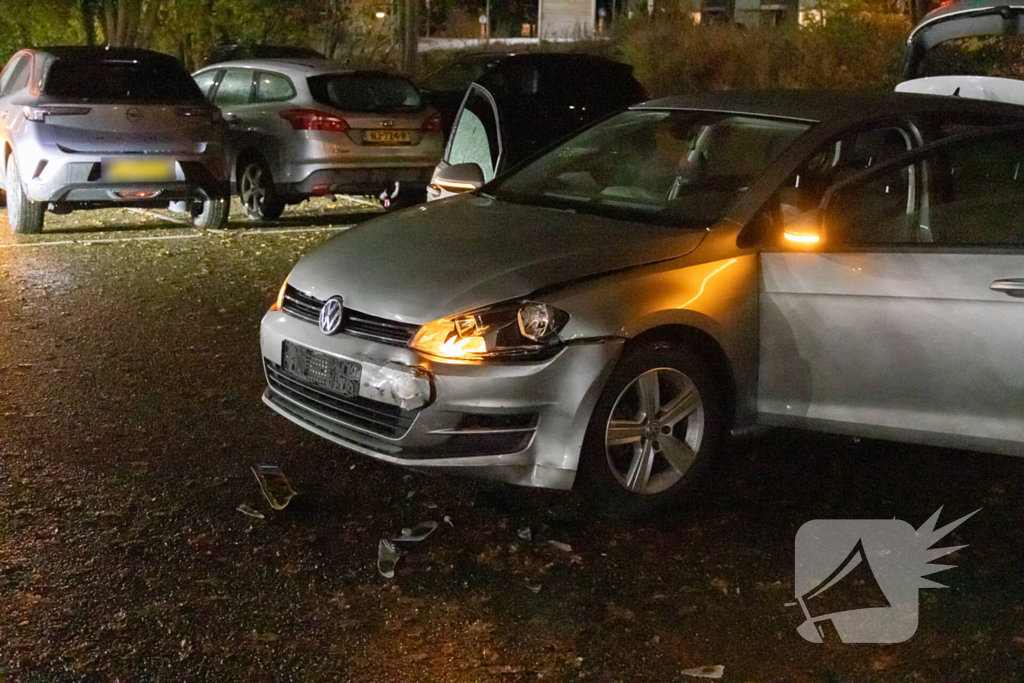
pixel 144 170
pixel 328 372
pixel 388 137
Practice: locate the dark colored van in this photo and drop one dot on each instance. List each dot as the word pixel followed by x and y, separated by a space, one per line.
pixel 523 104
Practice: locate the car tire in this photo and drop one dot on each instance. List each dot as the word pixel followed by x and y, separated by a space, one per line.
pixel 654 457
pixel 25 215
pixel 256 190
pixel 212 214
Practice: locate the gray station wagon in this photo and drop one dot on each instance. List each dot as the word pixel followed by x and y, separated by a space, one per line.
pixel 302 128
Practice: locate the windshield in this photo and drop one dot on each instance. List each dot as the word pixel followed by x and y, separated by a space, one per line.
pixel 365 93
pixel 681 168
pixel 120 80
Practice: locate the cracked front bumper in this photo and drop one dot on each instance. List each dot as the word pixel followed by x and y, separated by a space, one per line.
pixel 520 423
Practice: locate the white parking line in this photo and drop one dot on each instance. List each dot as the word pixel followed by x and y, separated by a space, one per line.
pixel 278 231
pixel 260 232
pixel 169 219
pixel 86 240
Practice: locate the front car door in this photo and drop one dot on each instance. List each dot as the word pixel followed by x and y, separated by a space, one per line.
pixel 906 320
pixel 476 138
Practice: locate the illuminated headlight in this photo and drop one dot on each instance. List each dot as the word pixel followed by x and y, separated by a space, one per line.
pixel 509 331
pixel 279 302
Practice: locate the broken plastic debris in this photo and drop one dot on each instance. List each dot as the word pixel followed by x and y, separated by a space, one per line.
pixel 397 384
pixel 448 521
pixel 715 671
pixel 275 486
pixel 430 506
pixel 564 547
pixel 525 534
pixel 417 533
pixel 246 510
pixel 535 587
pixel 387 558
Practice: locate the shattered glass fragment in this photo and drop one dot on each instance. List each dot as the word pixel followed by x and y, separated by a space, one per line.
pixel 274 484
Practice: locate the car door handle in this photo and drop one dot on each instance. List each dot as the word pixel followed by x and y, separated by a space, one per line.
pixel 1013 286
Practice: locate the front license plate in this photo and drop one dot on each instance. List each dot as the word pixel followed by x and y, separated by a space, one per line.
pixel 146 170
pixel 328 372
pixel 388 137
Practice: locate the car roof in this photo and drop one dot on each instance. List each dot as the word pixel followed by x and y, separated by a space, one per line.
pixel 554 58
pixel 298 67
pixel 85 52
pixel 830 106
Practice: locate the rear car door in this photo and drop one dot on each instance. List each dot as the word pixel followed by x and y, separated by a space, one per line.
pixel 270 132
pixel 234 96
pixel 906 322
pixel 12 81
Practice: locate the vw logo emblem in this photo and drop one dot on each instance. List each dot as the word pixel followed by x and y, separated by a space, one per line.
pixel 330 315
pixel 133 115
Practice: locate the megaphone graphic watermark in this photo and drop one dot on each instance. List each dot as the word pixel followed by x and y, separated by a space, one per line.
pixel 857 580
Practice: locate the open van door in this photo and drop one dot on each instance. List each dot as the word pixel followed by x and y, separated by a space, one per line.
pixel 954 21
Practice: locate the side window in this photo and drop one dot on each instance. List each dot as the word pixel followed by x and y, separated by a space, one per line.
pixel 273 87
pixel 976 192
pixel 876 210
pixel 235 87
pixel 206 80
pixel 475 138
pixel 837 161
pixel 16 76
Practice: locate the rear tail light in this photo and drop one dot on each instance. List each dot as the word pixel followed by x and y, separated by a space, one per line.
pixel 311 119
pixel 432 124
pixel 40 114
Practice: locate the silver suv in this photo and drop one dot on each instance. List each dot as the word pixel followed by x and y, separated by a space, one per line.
pixel 86 128
pixel 302 128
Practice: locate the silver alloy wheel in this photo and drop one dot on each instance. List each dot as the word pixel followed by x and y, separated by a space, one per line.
pixel 253 191
pixel 654 431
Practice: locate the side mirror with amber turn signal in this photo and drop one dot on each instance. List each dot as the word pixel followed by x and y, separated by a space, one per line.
pixel 460 177
pixel 806 230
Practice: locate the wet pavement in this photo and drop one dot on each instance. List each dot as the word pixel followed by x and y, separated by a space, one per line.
pixel 130 416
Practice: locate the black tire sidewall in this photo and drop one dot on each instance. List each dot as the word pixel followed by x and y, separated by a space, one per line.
pixel 28 219
pixel 271 207
pixel 12 181
pixel 214 214
pixel 595 480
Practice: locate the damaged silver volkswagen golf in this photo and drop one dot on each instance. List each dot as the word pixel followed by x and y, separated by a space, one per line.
pixel 607 313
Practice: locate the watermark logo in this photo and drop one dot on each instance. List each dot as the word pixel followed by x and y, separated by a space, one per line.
pixel 857 580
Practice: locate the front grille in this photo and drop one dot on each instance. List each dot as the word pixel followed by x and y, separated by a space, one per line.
pixel 306 307
pixel 354 412
pixel 301 305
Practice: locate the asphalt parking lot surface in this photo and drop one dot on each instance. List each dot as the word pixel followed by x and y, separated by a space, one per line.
pixel 130 415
